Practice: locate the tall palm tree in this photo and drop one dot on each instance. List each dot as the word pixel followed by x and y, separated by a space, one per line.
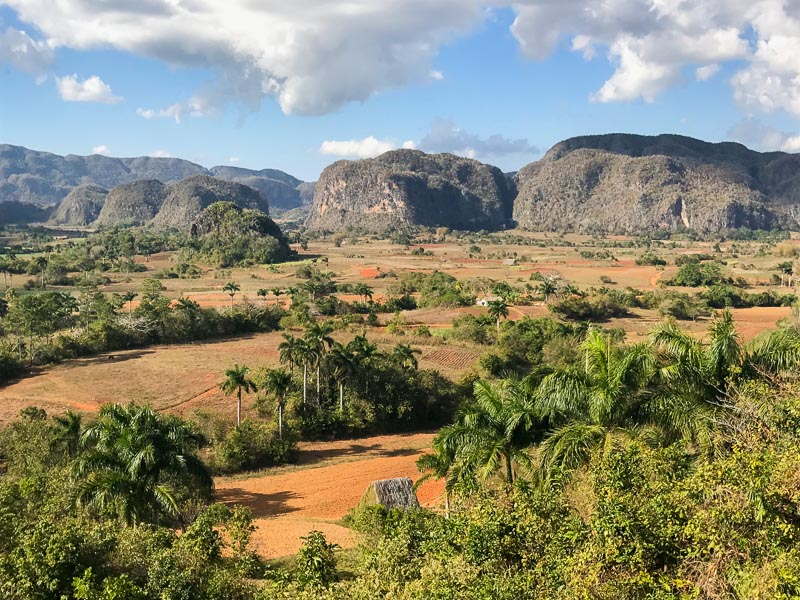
pixel 236 380
pixel 318 335
pixel 231 288
pixel 130 454
pixel 405 356
pixel 278 382
pixel 41 264
pixel 365 352
pixel 498 310
pixel 364 292
pixel 345 365
pixel 128 298
pixel 437 465
pixel 547 288
pixel 306 354
pixel 262 293
pixel 610 394
pixel 494 434
pixel 287 351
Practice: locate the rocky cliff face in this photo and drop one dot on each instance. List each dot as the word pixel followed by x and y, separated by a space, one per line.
pixel 629 183
pixel 132 203
pixel 81 206
pixel 409 187
pixel 185 200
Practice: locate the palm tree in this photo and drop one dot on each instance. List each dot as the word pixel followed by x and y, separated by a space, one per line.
pixel 287 350
pixel 262 293
pixel 547 288
pixel 345 365
pixel 130 454
pixel 708 372
pixel 437 465
pixel 67 432
pixel 313 288
pixel 277 292
pixel 405 356
pixel 231 288
pixel 41 264
pixel 364 292
pixel 278 382
pixel 128 298
pixel 498 310
pixel 305 353
pixel 612 393
pixel 236 380
pixel 494 433
pixel 365 352
pixel 318 336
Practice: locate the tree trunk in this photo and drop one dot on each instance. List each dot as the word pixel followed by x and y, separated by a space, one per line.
pixel 509 471
pixel 305 382
pixel 280 419
pixel 446 504
pixel 239 409
pixel 341 397
pixel 318 394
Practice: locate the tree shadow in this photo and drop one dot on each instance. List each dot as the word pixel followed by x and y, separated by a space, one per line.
pixel 262 505
pixel 374 450
pixel 109 358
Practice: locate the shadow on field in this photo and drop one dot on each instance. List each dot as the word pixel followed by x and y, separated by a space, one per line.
pixel 113 358
pixel 262 505
pixel 307 457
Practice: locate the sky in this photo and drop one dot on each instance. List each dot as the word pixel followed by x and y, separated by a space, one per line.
pixel 297 85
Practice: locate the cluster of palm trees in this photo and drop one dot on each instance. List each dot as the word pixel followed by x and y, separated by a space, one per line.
pixel 674 387
pixel 347 365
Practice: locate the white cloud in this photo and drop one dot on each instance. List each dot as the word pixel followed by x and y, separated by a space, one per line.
pixel 369 147
pixel 22 52
pixel 92 89
pixel 436 75
pixel 234 159
pixel 174 111
pixel 445 136
pixel 314 56
pixel 102 149
pixel 754 133
pixel 160 154
pixel 706 72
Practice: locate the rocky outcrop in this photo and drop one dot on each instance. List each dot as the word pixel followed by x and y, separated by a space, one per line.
pixel 134 203
pixel 185 200
pixel 81 206
pixel 408 187
pixel 629 184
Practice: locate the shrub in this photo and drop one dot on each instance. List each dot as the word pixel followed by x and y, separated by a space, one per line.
pixel 252 446
pixel 316 561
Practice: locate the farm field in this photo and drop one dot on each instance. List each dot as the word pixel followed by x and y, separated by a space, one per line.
pixel 329 481
pixel 184 378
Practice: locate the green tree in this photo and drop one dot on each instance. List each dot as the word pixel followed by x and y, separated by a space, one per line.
pixel 128 298
pixel 306 354
pixel 494 433
pixel 316 561
pixel 498 310
pixel 318 337
pixel 287 350
pixel 405 356
pixel 435 466
pixel 132 459
pixel 236 380
pixel 345 366
pixel 278 383
pixel 231 288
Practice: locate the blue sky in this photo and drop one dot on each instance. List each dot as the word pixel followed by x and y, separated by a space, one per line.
pixel 475 86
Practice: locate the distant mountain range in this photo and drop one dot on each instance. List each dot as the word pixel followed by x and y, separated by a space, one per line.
pixel 615 183
pixel 44 179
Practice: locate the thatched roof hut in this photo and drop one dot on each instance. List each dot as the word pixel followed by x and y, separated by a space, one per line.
pixel 391 493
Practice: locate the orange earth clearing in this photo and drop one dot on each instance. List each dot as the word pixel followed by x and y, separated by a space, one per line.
pixel 329 480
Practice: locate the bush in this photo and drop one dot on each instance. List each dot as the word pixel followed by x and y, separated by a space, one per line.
pixel 316 561
pixel 650 259
pixel 252 446
pixel 598 308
